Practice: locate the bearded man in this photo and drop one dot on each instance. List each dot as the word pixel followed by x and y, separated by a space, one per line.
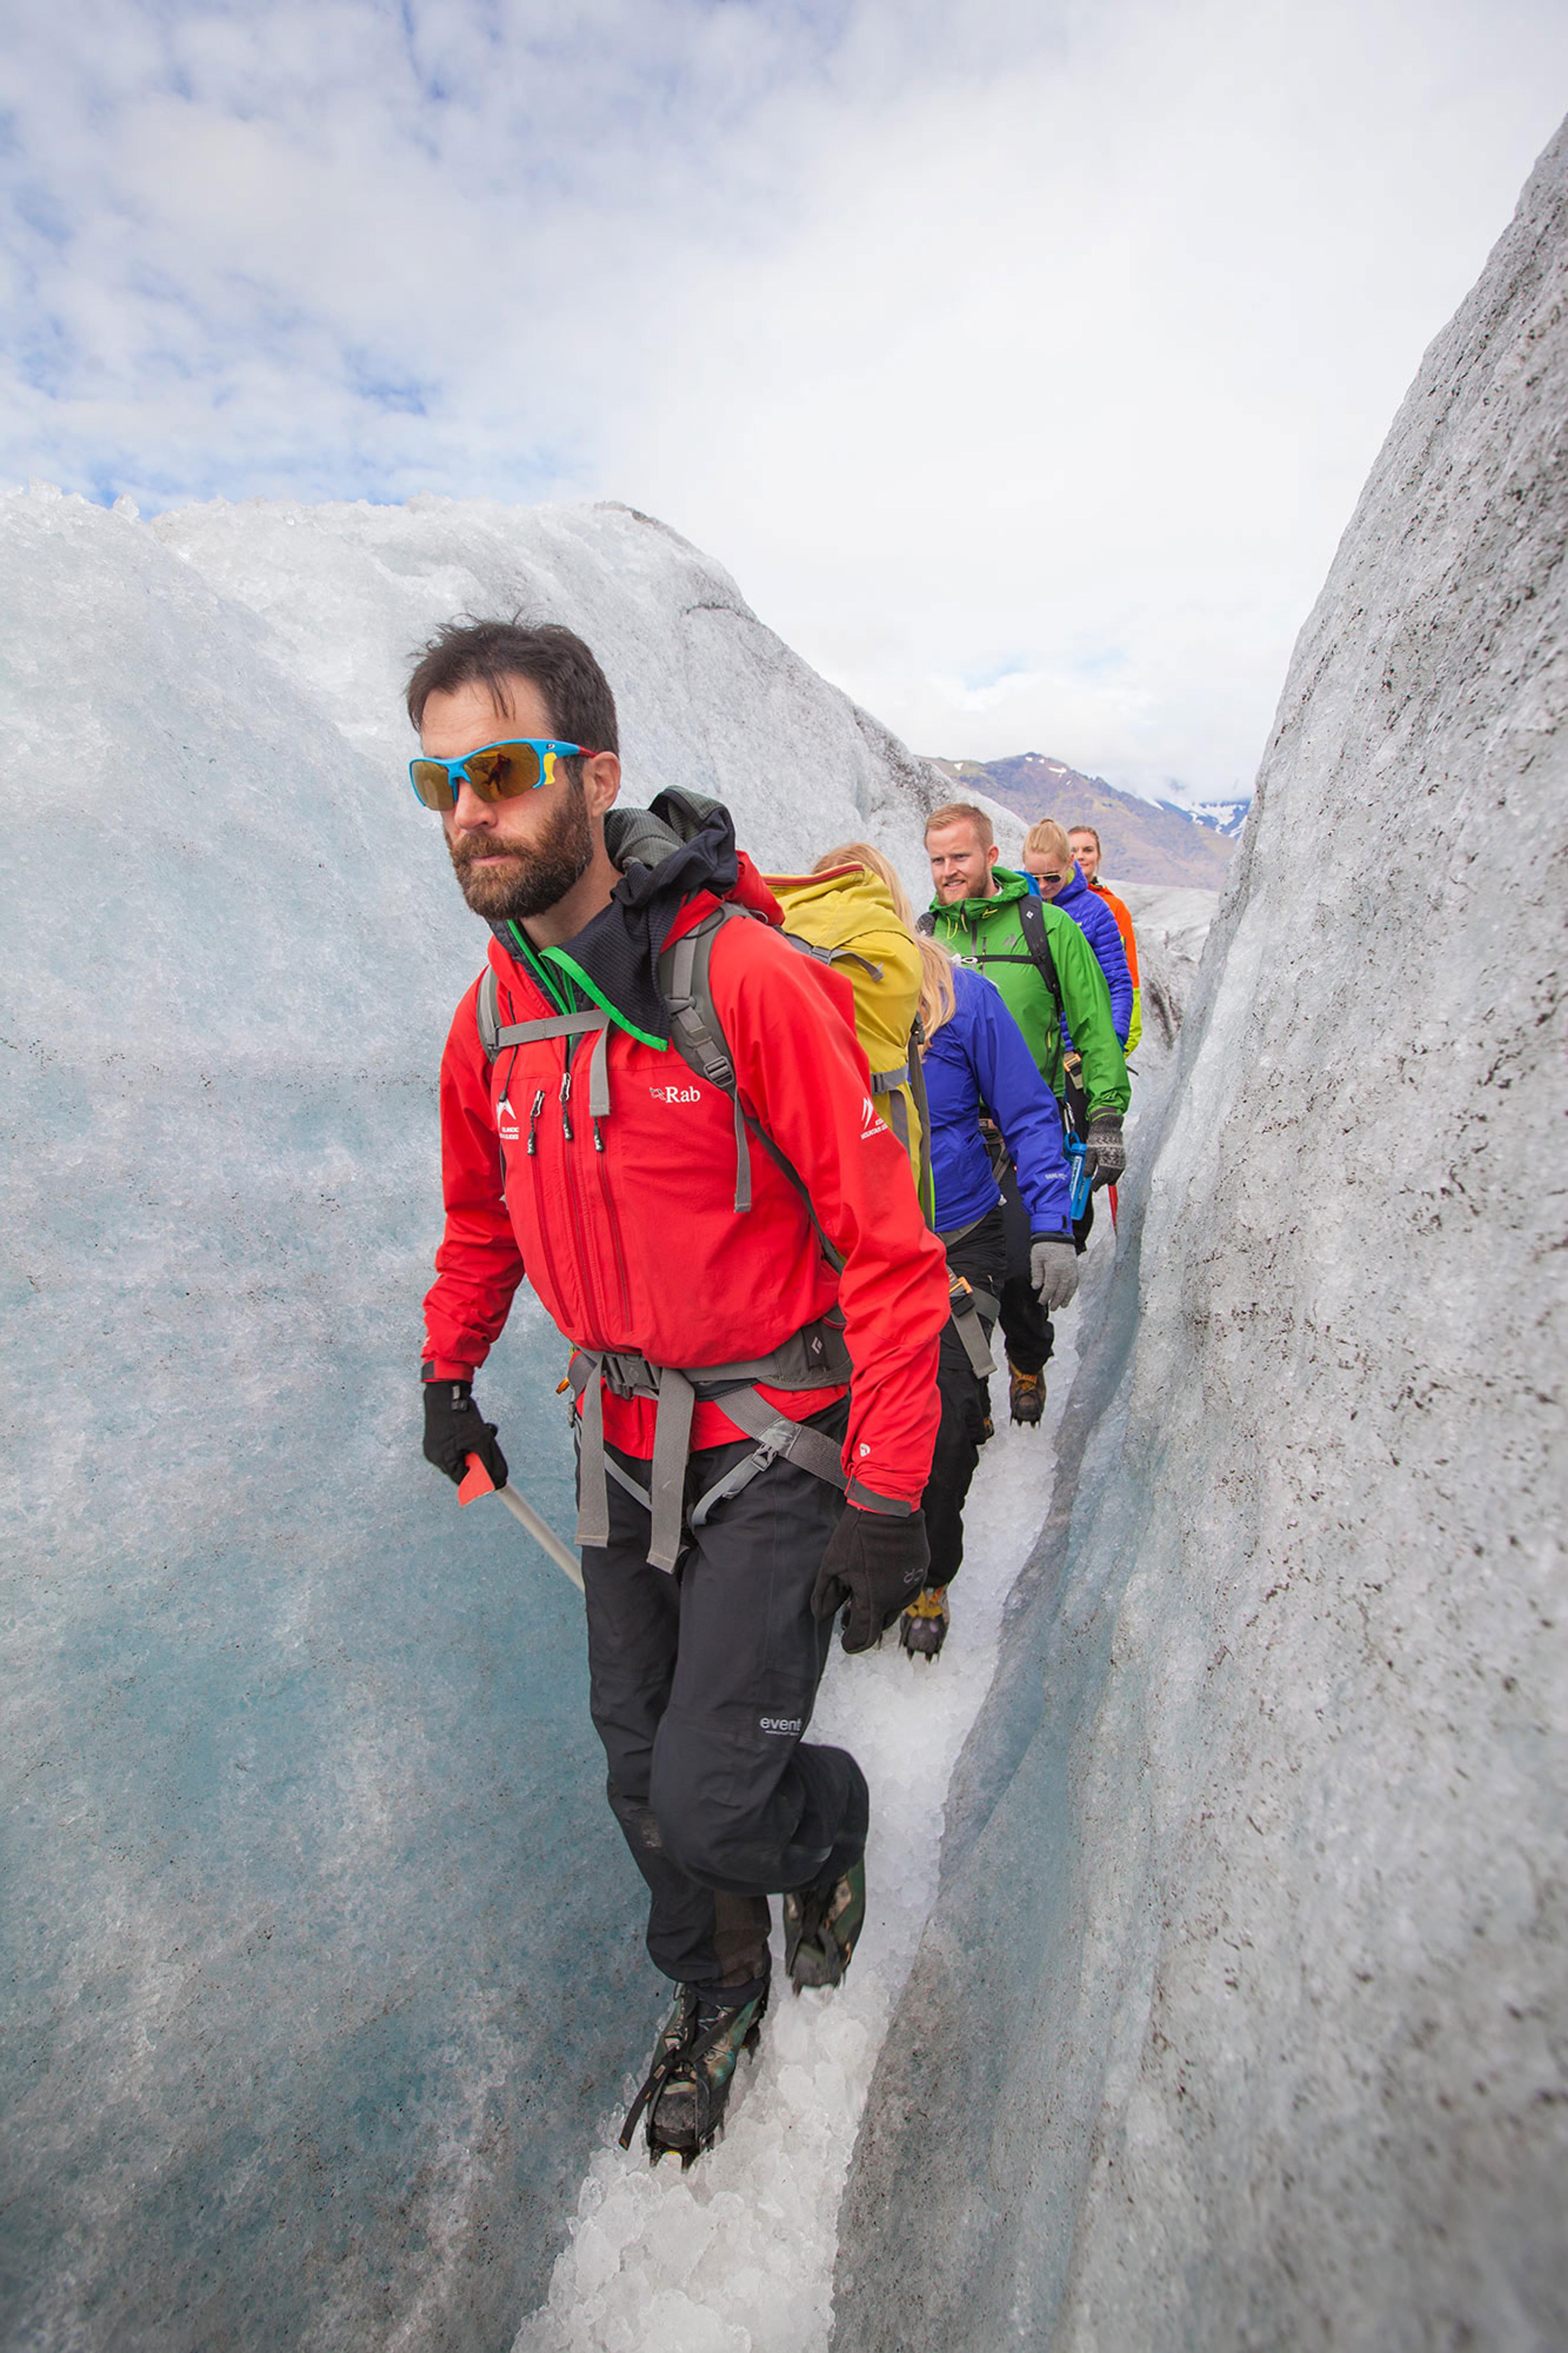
pixel 753 1303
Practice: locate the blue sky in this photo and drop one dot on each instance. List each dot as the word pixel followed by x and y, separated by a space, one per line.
pixel 1023 362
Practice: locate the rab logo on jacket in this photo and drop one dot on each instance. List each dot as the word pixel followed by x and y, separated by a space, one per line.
pixel 506 1122
pixel 676 1094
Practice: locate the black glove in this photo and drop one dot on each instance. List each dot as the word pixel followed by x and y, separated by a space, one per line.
pixel 1106 1148
pixel 877 1562
pixel 454 1431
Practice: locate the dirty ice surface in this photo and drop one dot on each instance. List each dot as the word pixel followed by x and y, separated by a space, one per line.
pixel 736 2256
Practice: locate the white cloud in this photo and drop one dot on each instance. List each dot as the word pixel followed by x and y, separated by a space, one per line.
pixel 1022 362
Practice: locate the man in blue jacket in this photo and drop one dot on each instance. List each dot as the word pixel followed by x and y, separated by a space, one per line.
pixel 976 1063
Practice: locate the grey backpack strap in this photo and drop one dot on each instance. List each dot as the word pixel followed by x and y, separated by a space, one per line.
pixel 966 1306
pixel 694 1030
pixel 696 1036
pixel 488 1009
pixel 493 1038
pixel 926 1187
pixel 559 1025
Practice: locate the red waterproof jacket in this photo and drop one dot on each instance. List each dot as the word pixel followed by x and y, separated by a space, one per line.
pixel 627 1229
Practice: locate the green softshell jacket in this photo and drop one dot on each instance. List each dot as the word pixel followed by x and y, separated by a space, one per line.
pixel 987 933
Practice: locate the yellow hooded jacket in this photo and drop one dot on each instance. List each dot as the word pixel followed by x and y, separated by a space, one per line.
pixel 848 912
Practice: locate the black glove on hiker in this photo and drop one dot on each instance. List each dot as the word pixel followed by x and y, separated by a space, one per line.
pixel 1105 1145
pixel 454 1431
pixel 877 1562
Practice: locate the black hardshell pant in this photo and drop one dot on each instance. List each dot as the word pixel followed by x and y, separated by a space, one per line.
pixel 981 1255
pixel 1026 1325
pixel 701 1684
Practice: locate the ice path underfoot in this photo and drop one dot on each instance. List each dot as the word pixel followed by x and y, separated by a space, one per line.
pixel 737 2255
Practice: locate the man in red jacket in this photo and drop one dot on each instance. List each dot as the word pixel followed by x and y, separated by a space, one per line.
pixel 734 1247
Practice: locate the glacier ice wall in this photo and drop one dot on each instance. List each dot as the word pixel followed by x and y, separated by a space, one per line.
pixel 1240 2021
pixel 708 696
pixel 322 1956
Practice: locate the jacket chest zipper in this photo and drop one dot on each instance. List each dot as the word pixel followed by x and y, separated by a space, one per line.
pixel 580 1234
pixel 540 1198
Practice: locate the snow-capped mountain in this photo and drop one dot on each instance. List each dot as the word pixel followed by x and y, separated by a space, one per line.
pixel 1225 818
pixel 1140 840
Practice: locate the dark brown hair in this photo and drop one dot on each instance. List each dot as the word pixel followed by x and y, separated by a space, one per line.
pixel 486 653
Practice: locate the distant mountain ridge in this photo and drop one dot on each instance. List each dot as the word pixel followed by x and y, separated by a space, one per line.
pixel 1141 842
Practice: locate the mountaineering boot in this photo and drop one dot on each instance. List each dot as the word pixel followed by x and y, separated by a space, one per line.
pixel 821 1925
pixel 687 2086
pixel 923 1629
pixel 1026 1395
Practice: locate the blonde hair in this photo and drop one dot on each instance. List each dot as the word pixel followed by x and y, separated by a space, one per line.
pixel 937 999
pixel 1047 839
pixel 964 813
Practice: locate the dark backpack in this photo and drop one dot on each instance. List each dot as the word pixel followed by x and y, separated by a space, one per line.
pixel 1036 939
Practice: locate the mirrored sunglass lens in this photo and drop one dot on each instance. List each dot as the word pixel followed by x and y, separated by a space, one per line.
pixel 503 772
pixel 432 783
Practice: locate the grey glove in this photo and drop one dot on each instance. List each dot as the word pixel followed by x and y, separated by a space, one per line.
pixel 1106 1148
pixel 1053 1269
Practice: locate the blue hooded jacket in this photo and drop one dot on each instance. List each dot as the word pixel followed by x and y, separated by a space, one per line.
pixel 978 1063
pixel 1098 924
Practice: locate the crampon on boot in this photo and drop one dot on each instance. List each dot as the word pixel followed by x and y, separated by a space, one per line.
pixel 923 1629
pixel 821 1926
pixel 687 2086
pixel 1026 1395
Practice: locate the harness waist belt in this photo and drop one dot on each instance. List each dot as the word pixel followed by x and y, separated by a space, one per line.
pixel 814 1358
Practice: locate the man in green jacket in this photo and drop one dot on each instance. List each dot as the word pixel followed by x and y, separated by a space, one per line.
pixel 987 916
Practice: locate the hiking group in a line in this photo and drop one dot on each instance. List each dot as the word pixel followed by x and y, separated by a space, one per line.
pixel 778 1160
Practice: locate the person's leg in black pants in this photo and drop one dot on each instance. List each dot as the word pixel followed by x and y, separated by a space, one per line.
pixel 1026 1326
pixel 980 1255
pixel 701 1685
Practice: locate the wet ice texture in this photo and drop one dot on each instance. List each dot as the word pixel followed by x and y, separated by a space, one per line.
pixel 1240 2019
pixel 322 1955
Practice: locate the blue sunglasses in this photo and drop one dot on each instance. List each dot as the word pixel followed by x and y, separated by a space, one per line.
pixel 496 772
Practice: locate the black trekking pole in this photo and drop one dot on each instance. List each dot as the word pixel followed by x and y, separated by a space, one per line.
pixel 477 1481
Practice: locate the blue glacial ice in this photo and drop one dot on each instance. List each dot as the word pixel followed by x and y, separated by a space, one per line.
pixel 323 1953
